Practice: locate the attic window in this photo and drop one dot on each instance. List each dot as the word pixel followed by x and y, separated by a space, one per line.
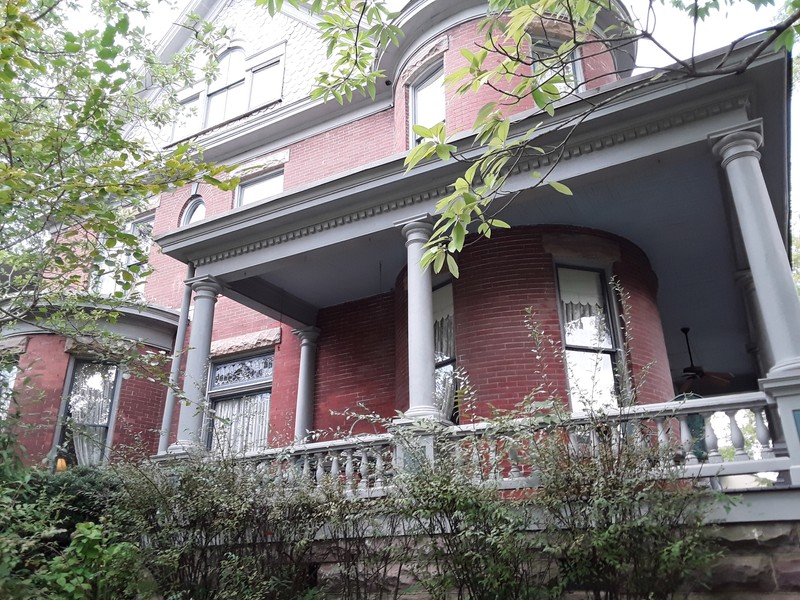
pixel 226 97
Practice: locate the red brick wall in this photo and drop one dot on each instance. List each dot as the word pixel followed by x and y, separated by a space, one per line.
pixel 139 411
pixel 499 279
pixel 514 270
pixel 356 362
pixel 284 388
pixel 39 385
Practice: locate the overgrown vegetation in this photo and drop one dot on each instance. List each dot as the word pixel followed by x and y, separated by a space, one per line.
pixel 608 515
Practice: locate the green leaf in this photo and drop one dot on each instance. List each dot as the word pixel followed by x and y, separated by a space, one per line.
pixel 560 187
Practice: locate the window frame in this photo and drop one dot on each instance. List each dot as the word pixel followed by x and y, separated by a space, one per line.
pixel 432 72
pixel 61 450
pixel 194 203
pixel 616 335
pixel 255 180
pixel 124 260
pixel 544 50
pixel 238 391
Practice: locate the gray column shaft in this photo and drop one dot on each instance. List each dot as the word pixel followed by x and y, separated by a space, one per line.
pixel 304 413
pixel 769 264
pixel 190 421
pixel 420 324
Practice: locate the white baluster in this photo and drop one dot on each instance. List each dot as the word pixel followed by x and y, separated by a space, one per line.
pixel 475 459
pixel 348 468
pixel 335 467
pixel 364 470
pixel 494 458
pixel 687 442
pixel 513 457
pixel 711 440
pixel 379 468
pixel 663 436
pixel 306 467
pixel 320 467
pixel 737 438
pixel 762 434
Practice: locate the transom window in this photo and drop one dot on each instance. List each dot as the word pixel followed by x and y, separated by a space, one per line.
pixel 88 413
pixel 258 189
pixel 239 395
pixel 589 341
pixel 428 101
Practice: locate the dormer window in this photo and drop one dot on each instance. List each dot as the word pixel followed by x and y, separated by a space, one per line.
pixel 226 97
pixel 244 83
pixel 428 101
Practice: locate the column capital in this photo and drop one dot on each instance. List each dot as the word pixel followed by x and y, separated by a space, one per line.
pixel 307 335
pixel 734 142
pixel 205 285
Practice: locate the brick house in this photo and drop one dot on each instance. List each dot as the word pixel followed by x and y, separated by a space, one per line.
pixel 299 296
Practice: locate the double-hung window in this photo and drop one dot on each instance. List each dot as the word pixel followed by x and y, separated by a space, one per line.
pixel 88 412
pixel 239 395
pixel 590 348
pixel 444 345
pixel 428 102
pixel 226 96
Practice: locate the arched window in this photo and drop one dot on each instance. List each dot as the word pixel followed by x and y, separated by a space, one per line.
pixel 427 101
pixel 195 211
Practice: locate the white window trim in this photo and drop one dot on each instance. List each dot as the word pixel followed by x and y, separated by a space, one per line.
pixel 194 203
pixel 617 335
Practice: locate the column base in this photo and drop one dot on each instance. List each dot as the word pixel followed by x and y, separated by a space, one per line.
pixel 789 366
pixel 423 412
pixel 187 447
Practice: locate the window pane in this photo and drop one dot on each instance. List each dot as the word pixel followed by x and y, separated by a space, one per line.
pixel 444 342
pixel 429 100
pixel 266 85
pixel 583 309
pixel 89 410
pixel 591 381
pixel 231 68
pixel 241 424
pixel 215 107
pixel 253 191
pixel 195 213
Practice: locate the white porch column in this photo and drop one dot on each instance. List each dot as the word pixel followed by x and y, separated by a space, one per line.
pixel 420 324
pixel 769 264
pixel 190 421
pixel 304 413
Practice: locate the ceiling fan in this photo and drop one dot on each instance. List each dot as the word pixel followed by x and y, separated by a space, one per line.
pixel 697 378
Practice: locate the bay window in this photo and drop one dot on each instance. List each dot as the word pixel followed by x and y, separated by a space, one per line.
pixel 239 396
pixel 590 348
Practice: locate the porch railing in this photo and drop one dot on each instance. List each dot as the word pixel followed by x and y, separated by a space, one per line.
pixel 694 428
